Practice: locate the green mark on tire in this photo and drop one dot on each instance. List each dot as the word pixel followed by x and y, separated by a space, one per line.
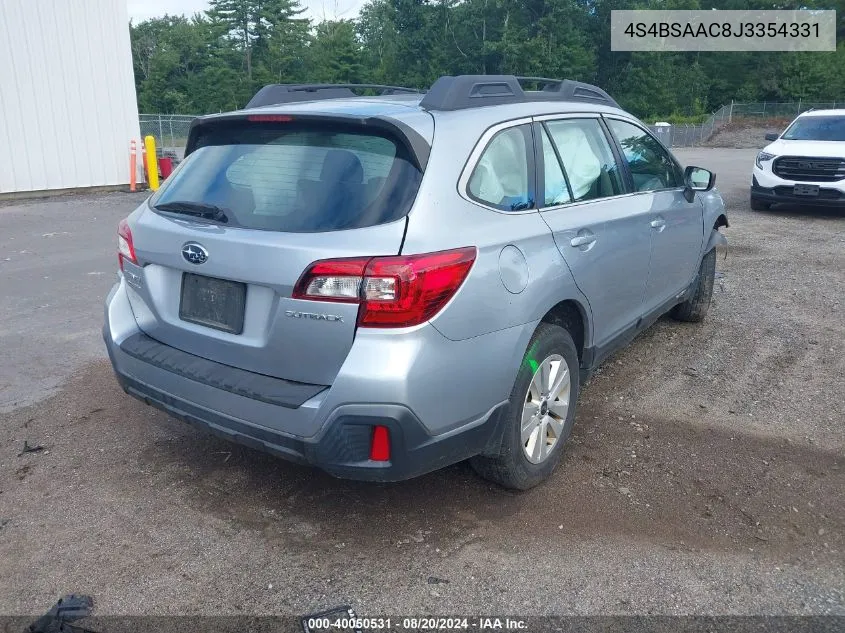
pixel 529 358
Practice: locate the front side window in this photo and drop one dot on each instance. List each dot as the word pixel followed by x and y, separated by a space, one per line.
pixel 587 158
pixel 650 165
pixel 500 178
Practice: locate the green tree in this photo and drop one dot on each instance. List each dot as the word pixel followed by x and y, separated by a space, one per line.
pixel 335 53
pixel 376 30
pixel 218 59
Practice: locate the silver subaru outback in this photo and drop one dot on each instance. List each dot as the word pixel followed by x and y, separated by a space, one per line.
pixel 381 286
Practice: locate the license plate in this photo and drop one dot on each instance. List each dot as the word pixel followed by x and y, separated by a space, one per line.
pixel 806 190
pixel 214 303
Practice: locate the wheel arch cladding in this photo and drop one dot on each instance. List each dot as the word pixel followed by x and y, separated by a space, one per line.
pixel 721 221
pixel 570 315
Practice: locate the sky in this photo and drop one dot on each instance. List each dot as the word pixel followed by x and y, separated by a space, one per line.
pixel 316 9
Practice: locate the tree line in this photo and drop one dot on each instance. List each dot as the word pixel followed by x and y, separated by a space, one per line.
pixel 216 60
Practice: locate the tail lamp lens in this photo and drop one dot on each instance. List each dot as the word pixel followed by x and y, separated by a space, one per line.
pixel 399 291
pixel 125 246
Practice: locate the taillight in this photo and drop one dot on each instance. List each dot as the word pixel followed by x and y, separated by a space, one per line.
pixel 332 280
pixel 407 290
pixel 125 247
pixel 396 291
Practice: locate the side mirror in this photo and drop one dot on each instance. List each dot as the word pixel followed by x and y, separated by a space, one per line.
pixel 772 136
pixel 697 179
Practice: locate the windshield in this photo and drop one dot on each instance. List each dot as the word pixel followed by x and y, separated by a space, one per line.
pixel 817 128
pixel 292 178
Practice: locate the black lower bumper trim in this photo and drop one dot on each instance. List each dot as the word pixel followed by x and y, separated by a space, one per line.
pixel 782 195
pixel 343 448
pixel 276 391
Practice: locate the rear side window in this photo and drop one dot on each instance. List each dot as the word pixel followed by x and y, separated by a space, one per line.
pixel 651 167
pixel 587 158
pixel 557 190
pixel 500 178
pixel 303 178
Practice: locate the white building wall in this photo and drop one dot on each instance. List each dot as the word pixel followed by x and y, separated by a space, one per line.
pixel 67 94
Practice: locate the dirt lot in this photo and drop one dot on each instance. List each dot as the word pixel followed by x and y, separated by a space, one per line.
pixel 706 472
pixel 747 133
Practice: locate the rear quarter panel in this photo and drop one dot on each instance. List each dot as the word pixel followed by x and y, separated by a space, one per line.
pixel 441 219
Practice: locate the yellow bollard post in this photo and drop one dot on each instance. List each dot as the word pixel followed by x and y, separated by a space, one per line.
pixel 152 162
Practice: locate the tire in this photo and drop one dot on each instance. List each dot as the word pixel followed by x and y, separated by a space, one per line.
pixel 759 205
pixel 694 309
pixel 513 467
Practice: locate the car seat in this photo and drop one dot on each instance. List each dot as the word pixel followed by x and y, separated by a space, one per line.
pixel 338 197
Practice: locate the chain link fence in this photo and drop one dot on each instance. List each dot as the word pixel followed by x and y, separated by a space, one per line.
pixel 768 109
pixel 690 135
pixel 170 132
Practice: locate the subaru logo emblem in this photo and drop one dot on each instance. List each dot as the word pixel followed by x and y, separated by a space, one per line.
pixel 194 253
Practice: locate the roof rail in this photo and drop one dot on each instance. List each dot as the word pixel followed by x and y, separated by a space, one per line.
pixel 475 91
pixel 275 94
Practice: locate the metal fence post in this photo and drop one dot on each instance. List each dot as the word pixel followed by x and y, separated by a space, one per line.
pixel 731 112
pixel 160 131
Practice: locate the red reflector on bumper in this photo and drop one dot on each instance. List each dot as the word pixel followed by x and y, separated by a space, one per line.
pixel 380 447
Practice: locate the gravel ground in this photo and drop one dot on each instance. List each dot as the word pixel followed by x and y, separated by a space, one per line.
pixel 704 476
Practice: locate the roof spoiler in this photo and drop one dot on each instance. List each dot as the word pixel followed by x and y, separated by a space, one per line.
pixel 417 146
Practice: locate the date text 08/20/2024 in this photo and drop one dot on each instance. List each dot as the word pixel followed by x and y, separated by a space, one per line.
pixel 414 624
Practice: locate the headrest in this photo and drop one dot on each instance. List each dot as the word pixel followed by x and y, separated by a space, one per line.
pixel 342 165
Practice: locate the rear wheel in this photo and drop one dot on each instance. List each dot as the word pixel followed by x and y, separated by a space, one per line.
pixel 540 415
pixel 759 205
pixel 694 309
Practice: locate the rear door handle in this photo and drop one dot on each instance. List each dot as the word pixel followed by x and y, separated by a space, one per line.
pixel 659 223
pixel 582 240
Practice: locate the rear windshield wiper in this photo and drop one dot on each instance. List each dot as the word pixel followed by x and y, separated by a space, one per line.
pixel 198 209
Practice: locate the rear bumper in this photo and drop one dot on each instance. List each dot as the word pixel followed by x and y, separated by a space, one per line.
pixel 242 411
pixel 343 450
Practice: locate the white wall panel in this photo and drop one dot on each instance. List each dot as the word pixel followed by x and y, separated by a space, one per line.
pixel 67 94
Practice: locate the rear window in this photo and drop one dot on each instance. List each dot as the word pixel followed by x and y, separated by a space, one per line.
pixel 295 178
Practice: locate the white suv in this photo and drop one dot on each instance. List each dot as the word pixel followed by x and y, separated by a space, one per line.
pixel 805 165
